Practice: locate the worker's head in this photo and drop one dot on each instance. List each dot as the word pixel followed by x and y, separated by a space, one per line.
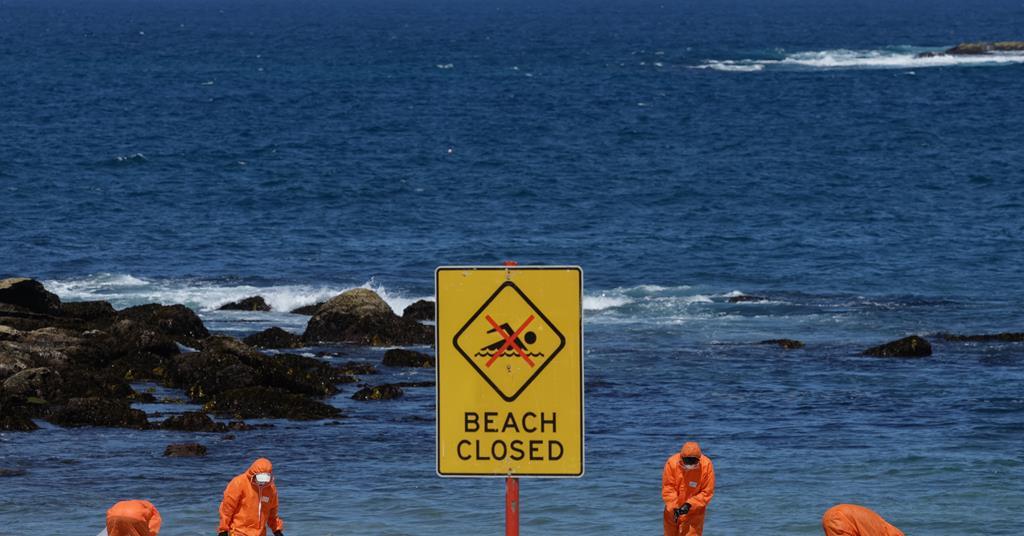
pixel 261 472
pixel 689 455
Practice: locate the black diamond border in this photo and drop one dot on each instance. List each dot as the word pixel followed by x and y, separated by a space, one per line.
pixel 536 309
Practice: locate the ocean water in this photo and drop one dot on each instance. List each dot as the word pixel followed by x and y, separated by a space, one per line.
pixel 682 153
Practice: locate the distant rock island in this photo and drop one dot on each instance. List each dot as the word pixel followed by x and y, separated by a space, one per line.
pixel 975 49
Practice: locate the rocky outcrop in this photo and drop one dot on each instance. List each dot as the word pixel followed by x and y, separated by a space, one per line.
pixel 193 421
pixel 89 311
pixel 399 357
pixel 379 392
pixel 788 344
pixel 253 303
pixel 746 298
pixel 975 49
pixel 420 310
pixel 308 310
pixel 360 316
pixel 176 321
pixel 181 450
pixel 912 346
pixel 274 338
pixel 98 412
pixel 267 402
pixel 30 295
pixel 993 337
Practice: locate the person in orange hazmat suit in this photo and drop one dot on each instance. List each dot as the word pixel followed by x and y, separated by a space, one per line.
pixel 687 485
pixel 133 518
pixel 250 503
pixel 853 520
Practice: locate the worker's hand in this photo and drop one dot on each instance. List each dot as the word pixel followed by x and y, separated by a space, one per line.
pixel 225 533
pixel 685 509
pixel 278 533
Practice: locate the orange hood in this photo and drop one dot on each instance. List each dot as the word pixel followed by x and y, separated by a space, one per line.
pixel 261 465
pixel 690 450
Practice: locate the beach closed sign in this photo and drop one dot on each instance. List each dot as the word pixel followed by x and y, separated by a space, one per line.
pixel 509 371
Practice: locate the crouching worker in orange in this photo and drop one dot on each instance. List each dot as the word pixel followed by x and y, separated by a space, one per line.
pixel 853 520
pixel 687 485
pixel 133 518
pixel 250 503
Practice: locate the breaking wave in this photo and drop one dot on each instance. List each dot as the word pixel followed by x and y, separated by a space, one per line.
pixel 903 57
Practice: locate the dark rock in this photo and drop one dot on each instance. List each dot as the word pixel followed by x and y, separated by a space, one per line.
pixel 360 316
pixel 976 49
pixel 98 412
pixel 176 321
pixel 254 303
pixel 420 310
pixel 39 382
pixel 399 357
pixel 90 311
pixel 744 298
pixel 9 334
pixel 265 402
pixel 379 392
pixel 185 450
pixel 308 310
pixel 30 294
pixel 415 384
pixel 912 346
pixel 357 367
pixel 274 338
pixel 789 344
pixel 15 419
pixel 12 472
pixel 193 421
pixel 994 337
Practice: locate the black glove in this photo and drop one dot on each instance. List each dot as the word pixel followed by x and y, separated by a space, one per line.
pixel 681 511
pixel 278 533
pixel 225 533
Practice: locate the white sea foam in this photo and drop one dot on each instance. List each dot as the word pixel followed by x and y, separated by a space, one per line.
pixel 885 58
pixel 604 301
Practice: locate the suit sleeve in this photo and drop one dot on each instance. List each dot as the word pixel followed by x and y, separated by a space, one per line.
pixel 275 522
pixel 228 507
pixel 700 500
pixel 669 486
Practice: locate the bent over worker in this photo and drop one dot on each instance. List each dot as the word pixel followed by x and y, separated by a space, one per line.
pixel 133 518
pixel 854 520
pixel 250 503
pixel 687 485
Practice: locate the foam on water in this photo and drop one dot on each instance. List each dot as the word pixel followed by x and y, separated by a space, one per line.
pixel 902 57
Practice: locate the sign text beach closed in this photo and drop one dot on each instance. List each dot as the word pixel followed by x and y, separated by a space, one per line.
pixel 509 371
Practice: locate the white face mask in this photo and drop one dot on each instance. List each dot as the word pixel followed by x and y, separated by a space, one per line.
pixel 690 467
pixel 262 478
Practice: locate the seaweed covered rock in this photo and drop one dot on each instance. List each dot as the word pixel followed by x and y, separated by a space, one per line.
pixel 788 344
pixel 420 310
pixel 185 450
pixel 267 402
pixel 990 337
pixel 176 321
pixel 746 298
pixel 98 412
pixel 912 346
pixel 308 310
pixel 379 392
pixel 89 311
pixel 274 338
pixel 253 303
pixel 360 316
pixel 193 421
pixel 29 294
pixel 398 357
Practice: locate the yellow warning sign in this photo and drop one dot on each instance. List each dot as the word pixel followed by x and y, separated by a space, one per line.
pixel 509 371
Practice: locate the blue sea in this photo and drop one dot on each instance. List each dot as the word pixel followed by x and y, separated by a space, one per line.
pixel 680 152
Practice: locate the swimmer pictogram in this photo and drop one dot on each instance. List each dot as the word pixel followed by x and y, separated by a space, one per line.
pixel 509 341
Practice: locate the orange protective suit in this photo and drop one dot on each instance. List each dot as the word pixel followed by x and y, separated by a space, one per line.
pixel 133 518
pixel 247 509
pixel 853 520
pixel 679 486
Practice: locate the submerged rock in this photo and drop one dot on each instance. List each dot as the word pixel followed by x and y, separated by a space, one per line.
pixel 399 357
pixel 274 338
pixel 185 450
pixel 360 316
pixel 994 337
pixel 420 310
pixel 253 303
pixel 98 412
pixel 12 472
pixel 745 298
pixel 788 344
pixel 912 346
pixel 29 294
pixel 194 421
pixel 379 392
pixel 266 402
pixel 977 49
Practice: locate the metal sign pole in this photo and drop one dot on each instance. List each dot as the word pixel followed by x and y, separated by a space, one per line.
pixel 511 506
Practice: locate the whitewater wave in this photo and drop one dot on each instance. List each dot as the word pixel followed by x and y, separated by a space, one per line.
pixel 124 290
pixel 885 58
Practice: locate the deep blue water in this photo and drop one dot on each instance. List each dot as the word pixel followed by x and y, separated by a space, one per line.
pixel 680 152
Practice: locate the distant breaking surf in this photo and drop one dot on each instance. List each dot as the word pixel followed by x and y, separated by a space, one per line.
pixel 903 57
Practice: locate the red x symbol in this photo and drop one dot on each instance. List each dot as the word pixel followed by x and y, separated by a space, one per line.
pixel 510 340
